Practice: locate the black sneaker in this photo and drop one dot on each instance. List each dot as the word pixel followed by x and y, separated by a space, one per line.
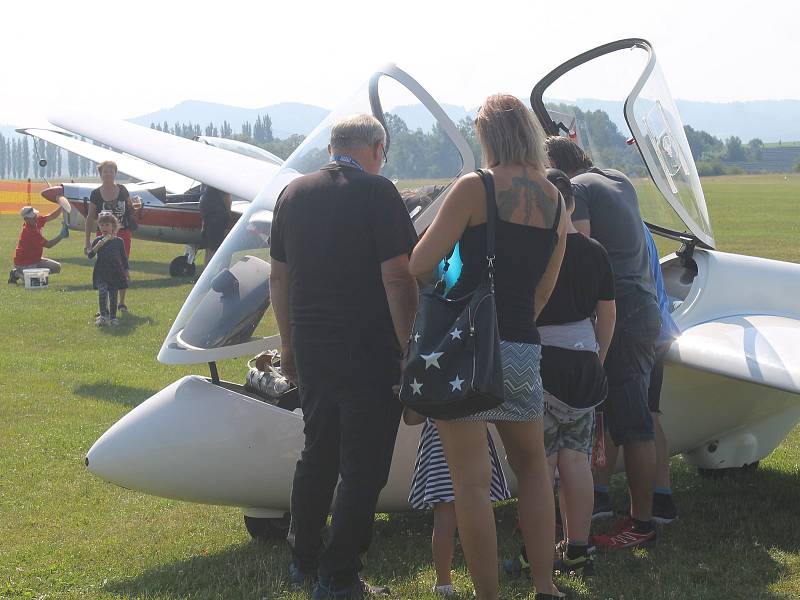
pixel 13 278
pixel 664 509
pixel 582 565
pixel 602 506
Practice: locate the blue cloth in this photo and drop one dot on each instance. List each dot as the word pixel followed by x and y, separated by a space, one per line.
pixel 669 329
pixel 453 270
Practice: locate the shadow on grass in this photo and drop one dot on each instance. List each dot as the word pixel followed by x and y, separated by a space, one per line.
pixel 723 546
pixel 246 571
pixel 113 392
pixel 127 325
pixel 150 267
pixel 135 284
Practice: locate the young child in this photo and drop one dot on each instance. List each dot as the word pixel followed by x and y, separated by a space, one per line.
pixel 111 268
pixel 431 487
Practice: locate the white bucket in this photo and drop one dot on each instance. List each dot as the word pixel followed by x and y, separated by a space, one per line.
pixel 36 279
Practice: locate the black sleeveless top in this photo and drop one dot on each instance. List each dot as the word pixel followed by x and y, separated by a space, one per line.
pixel 522 253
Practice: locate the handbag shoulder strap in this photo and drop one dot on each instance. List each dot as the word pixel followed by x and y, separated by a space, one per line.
pixel 491 221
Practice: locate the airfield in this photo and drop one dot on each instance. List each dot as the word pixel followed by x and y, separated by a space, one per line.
pixel 66 534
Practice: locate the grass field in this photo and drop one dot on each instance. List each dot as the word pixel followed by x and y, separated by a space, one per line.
pixel 66 534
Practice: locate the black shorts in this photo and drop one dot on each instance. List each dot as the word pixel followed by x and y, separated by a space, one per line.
pixel 657 378
pixel 215 228
pixel 628 365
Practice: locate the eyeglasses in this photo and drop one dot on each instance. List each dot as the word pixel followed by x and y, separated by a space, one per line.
pixel 385 158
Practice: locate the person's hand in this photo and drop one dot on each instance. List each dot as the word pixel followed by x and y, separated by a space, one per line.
pixel 86 249
pixel 287 364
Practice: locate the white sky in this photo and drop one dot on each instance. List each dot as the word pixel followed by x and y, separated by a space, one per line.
pixel 123 59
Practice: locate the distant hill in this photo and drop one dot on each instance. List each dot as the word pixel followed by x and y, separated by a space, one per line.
pixel 769 120
pixel 287 117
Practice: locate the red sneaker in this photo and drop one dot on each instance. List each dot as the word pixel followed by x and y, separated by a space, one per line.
pixel 625 535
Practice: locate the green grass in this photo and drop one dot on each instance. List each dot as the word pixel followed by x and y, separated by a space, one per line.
pixel 66 534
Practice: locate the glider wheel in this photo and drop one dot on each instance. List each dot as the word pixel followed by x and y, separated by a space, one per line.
pixel 180 267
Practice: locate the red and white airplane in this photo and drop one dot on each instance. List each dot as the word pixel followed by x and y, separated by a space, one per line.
pixel 170 201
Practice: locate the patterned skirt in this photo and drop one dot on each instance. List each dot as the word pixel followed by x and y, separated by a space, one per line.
pixel 524 395
pixel 432 484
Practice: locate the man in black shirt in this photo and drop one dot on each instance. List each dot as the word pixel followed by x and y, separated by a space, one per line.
pixel 606 207
pixel 215 208
pixel 345 302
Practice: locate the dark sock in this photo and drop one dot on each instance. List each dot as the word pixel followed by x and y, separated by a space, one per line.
pixel 577 550
pixel 642 526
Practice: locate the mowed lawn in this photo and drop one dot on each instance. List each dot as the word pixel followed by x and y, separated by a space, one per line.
pixel 66 534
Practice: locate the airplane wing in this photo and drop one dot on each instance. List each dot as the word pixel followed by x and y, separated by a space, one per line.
pixel 762 349
pixel 239 175
pixel 129 165
pixel 240 148
pixel 239 206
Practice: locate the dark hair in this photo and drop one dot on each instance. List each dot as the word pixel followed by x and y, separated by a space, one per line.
pixel 107 217
pixel 567 155
pixel 559 179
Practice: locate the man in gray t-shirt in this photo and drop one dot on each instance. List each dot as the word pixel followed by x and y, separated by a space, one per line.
pixel 606 200
pixel 607 209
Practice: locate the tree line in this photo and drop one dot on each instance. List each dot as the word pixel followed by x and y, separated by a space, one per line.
pixel 413 154
pixel 19 159
pixel 258 133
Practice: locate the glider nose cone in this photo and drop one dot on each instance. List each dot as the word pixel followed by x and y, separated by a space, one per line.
pixel 201 442
pixel 53 193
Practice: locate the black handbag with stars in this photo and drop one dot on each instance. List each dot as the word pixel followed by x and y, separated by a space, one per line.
pixel 453 368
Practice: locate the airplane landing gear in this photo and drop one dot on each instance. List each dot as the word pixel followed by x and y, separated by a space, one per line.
pixel 180 267
pixel 261 528
pixel 184 266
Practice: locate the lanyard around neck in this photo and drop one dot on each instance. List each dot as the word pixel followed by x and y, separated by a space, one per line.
pixel 347 160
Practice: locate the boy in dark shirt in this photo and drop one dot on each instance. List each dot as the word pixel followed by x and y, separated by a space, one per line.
pixel 573 351
pixel 110 270
pixel 607 209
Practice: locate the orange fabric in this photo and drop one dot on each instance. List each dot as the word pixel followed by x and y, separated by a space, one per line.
pixel 14 195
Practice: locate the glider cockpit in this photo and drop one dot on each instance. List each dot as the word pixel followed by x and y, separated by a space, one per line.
pixel 425 156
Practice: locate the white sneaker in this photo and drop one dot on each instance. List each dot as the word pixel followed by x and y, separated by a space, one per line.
pixel 445 591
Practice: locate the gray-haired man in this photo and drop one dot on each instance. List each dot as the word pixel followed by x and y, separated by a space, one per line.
pixel 340 244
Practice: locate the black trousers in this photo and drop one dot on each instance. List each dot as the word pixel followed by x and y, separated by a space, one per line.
pixel 351 417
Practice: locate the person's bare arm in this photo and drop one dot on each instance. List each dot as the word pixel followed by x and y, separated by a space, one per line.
pixel 606 311
pixel 91 223
pixel 402 295
pixel 548 280
pixel 279 296
pixel 53 242
pixel 54 215
pixel 584 226
pixel 226 199
pixel 447 227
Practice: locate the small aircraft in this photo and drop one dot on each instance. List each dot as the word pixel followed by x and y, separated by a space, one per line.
pixel 732 379
pixel 170 202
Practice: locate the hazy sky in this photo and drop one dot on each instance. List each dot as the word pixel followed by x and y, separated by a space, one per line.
pixel 124 59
